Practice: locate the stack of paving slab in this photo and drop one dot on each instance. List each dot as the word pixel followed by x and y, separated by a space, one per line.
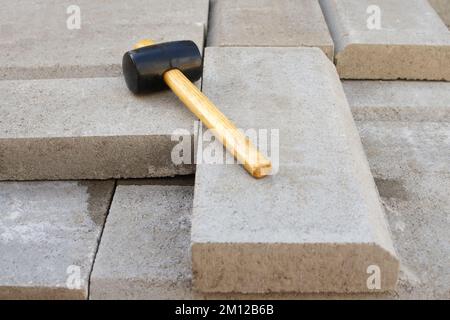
pixel 67 115
pixel 318 226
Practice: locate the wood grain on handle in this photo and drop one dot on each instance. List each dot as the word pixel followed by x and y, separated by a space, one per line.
pixel 223 129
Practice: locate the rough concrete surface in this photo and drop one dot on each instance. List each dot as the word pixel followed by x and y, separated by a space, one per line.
pixel 35 41
pixel 412 175
pixel 442 7
pixel 412 42
pixel 48 237
pixel 88 129
pixel 315 226
pixel 399 100
pixel 410 163
pixel 269 23
pixel 144 252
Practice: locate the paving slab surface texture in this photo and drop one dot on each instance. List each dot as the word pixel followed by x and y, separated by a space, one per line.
pixel 88 129
pixel 49 233
pixel 317 225
pixel 411 42
pixel 38 40
pixel 442 7
pixel 270 23
pixel 412 175
pixel 399 100
pixel 410 163
pixel 144 253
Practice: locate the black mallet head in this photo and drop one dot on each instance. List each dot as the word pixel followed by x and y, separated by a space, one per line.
pixel 144 68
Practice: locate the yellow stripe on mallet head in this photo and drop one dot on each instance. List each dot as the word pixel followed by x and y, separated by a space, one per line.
pixel 144 43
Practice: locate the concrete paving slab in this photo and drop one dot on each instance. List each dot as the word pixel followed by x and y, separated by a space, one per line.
pixel 40 39
pixel 410 41
pixel 415 199
pixel 399 100
pixel 48 237
pixel 269 23
pixel 410 163
pixel 88 129
pixel 442 7
pixel 144 252
pixel 315 226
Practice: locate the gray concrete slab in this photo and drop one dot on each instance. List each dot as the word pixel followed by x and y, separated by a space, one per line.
pixel 410 41
pixel 88 129
pixel 269 23
pixel 442 7
pixel 399 100
pixel 315 226
pixel 36 42
pixel 410 163
pixel 49 233
pixel 144 252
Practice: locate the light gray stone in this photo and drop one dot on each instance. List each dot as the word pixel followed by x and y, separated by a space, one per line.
pixel 270 23
pixel 88 129
pixel 410 163
pixel 48 237
pixel 442 7
pixel 144 252
pixel 35 41
pixel 416 200
pixel 315 226
pixel 413 43
pixel 399 100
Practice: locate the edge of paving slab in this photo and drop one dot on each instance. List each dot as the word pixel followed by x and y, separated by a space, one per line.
pixel 416 101
pixel 377 64
pixel 312 260
pixel 42 293
pixel 442 7
pixel 377 61
pixel 99 239
pixel 78 158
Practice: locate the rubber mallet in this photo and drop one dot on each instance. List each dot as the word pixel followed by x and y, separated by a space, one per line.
pixel 152 67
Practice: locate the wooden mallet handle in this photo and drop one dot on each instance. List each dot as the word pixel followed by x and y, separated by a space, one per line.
pixel 223 129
